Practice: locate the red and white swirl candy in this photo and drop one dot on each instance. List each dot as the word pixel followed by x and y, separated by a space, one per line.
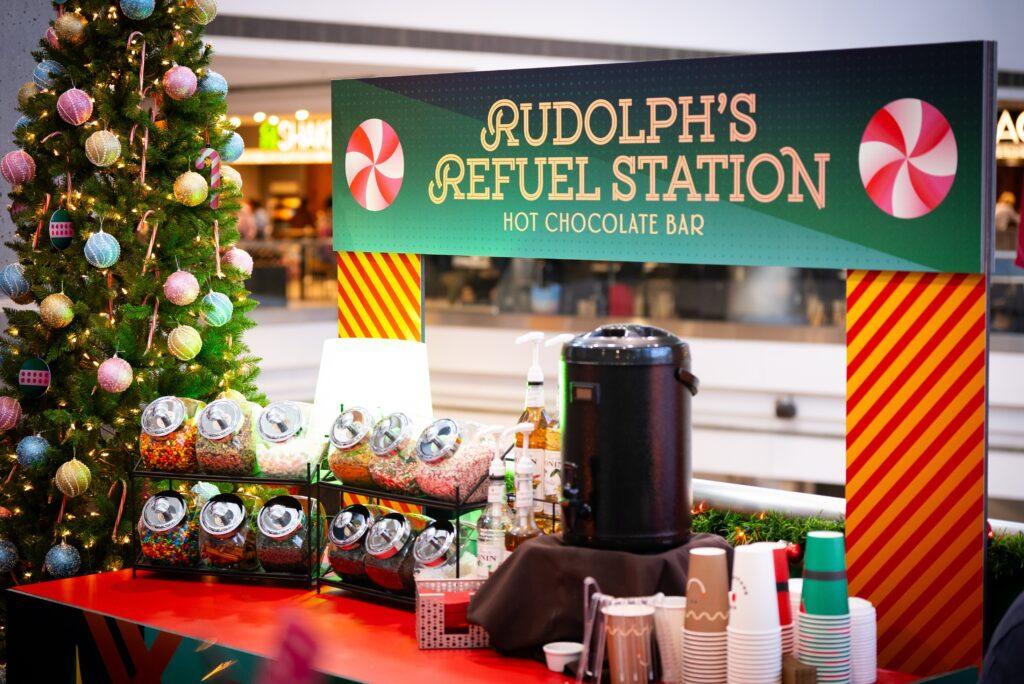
pixel 211 158
pixel 908 158
pixel 374 164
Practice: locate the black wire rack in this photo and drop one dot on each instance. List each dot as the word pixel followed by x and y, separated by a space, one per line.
pixel 308 487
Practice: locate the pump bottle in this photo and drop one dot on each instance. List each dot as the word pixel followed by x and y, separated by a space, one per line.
pixel 532 445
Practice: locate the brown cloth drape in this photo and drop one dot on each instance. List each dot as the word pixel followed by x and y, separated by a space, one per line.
pixel 536 596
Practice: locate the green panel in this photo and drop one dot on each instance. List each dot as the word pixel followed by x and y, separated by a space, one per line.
pixel 803 105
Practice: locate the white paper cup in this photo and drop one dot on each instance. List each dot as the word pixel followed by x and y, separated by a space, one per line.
pixel 669 616
pixel 753 598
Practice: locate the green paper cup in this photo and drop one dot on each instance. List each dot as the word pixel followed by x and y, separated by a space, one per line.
pixel 824 586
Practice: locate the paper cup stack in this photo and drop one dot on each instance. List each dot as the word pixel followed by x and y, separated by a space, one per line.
pixel 754 636
pixel 707 616
pixel 864 648
pixel 786 609
pixel 669 618
pixel 823 624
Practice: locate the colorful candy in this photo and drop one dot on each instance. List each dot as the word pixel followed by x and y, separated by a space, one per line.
pixel 374 164
pixel 175 453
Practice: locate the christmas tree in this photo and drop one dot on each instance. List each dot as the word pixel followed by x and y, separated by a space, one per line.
pixel 124 221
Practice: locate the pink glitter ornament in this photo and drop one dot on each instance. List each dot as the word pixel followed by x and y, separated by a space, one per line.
pixel 114 375
pixel 10 413
pixel 181 288
pixel 74 106
pixel 180 83
pixel 17 167
pixel 238 258
pixel 51 38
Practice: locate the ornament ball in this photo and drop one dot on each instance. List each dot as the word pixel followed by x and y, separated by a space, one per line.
pixel 180 83
pixel 8 556
pixel 238 258
pixel 103 148
pixel 794 551
pixel 181 288
pixel 18 167
pixel 217 309
pixel 213 83
pixel 74 106
pixel 62 560
pixel 232 149
pixel 184 342
pixel 32 451
pixel 102 250
pixel 137 9
pixel 14 284
pixel 191 189
pixel 10 413
pixel 73 478
pixel 56 310
pixel 230 176
pixel 26 92
pixel 114 375
pixel 203 11
pixel 70 28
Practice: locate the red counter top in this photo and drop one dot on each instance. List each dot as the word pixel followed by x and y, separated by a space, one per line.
pixel 362 640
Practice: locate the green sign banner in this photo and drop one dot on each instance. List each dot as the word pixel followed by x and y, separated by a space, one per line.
pixel 871 159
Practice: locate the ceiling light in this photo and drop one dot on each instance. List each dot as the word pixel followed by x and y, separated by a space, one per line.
pixel 301 114
pixel 273 120
pixel 258 117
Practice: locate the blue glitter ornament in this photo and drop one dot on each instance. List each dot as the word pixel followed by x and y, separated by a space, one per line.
pixel 59 2
pixel 32 452
pixel 8 556
pixel 102 250
pixel 213 82
pixel 45 72
pixel 137 9
pixel 217 309
pixel 23 122
pixel 13 282
pixel 62 560
pixel 232 149
pixel 204 491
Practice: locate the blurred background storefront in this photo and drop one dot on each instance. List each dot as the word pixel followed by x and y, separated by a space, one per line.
pixel 768 343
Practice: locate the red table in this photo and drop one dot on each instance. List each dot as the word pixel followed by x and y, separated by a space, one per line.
pixel 359 640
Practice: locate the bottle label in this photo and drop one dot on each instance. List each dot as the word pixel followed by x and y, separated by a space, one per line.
pixel 536 457
pixel 496 493
pixel 490 551
pixel 553 475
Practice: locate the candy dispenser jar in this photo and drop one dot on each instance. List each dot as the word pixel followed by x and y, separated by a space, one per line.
pixel 350 455
pixel 393 443
pixel 346 548
pixel 167 531
pixel 449 468
pixel 226 444
pixel 168 438
pixel 288 528
pixel 389 560
pixel 287 447
pixel 436 552
pixel 225 537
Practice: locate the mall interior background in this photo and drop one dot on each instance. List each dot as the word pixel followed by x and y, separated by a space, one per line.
pixel 768 342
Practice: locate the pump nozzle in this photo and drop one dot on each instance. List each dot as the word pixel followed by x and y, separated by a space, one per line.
pixel 536 374
pixel 559 340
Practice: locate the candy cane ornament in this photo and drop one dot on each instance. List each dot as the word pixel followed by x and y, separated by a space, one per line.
pixel 211 158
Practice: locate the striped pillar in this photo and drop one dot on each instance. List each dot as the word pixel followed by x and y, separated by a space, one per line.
pixel 379 296
pixel 915 463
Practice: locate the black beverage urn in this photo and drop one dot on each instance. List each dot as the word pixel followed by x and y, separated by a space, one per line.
pixel 626 439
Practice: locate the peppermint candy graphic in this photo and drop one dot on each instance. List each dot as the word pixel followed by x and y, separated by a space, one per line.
pixel 374 164
pixel 908 158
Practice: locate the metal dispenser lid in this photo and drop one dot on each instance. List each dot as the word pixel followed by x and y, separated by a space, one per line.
pixel 222 515
pixel 351 427
pixel 439 440
pixel 389 432
pixel 351 525
pixel 164 511
pixel 220 419
pixel 628 345
pixel 280 517
pixel 388 536
pixel 163 416
pixel 280 421
pixel 433 545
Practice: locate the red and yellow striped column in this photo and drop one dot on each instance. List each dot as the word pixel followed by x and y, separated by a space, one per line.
pixel 915 462
pixel 380 296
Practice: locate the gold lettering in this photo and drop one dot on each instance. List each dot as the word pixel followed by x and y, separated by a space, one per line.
pixel 593 107
pixel 799 173
pixel 497 125
pixel 444 178
pixel 630 163
pixel 656 122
